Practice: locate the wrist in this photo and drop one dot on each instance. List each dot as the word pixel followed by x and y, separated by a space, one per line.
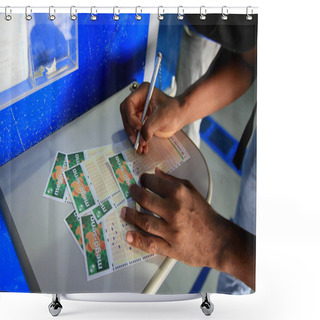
pixel 178 116
pixel 235 253
pixel 183 110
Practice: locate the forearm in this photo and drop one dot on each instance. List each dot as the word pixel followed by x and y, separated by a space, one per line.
pixel 220 86
pixel 235 252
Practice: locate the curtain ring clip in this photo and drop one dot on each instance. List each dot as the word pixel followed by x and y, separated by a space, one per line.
pixel 138 17
pixel 160 16
pixel 28 15
pixel 224 13
pixel 180 13
pixel 93 17
pixel 203 13
pixel 73 16
pixel 116 16
pixel 249 14
pixel 7 16
pixel 52 16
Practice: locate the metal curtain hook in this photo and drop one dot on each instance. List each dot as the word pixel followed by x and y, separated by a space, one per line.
pixel 93 17
pixel 160 16
pixel 138 17
pixel 180 13
pixel 7 16
pixel 203 13
pixel 249 15
pixel 28 15
pixel 116 16
pixel 73 16
pixel 224 13
pixel 52 16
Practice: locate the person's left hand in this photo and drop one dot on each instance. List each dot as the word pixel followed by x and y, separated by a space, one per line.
pixel 188 229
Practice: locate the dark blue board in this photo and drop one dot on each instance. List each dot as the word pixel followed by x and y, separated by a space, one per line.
pixel 111 55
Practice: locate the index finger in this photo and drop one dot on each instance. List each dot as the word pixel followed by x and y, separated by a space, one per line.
pixel 149 201
pixel 156 184
pixel 130 119
pixel 131 111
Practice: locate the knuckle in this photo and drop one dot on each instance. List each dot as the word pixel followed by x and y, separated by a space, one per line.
pixel 124 104
pixel 139 242
pixel 152 246
pixel 179 190
pixel 188 184
pixel 145 200
pixel 145 224
pixel 144 83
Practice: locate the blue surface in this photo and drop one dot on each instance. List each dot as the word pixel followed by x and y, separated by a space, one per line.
pixel 170 31
pixel 220 141
pixel 11 276
pixel 111 55
pixel 202 277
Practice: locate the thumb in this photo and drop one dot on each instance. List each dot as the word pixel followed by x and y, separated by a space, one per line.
pixel 150 126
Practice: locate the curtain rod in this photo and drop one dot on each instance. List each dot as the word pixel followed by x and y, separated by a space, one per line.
pixel 180 10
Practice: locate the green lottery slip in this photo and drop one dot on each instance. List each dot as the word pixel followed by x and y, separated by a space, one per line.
pixel 81 189
pixel 56 187
pixel 72 221
pixel 78 157
pixel 103 209
pixel 123 174
pixel 97 261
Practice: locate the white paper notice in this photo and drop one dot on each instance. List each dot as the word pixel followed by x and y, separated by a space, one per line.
pixel 13 52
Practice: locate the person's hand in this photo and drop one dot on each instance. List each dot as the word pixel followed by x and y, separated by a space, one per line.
pixel 162 119
pixel 188 228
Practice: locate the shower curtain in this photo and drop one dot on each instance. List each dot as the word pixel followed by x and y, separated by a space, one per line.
pixel 76 216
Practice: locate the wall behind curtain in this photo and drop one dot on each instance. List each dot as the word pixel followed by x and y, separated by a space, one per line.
pixel 111 55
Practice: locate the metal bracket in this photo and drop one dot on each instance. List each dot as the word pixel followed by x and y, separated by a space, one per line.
pixel 55 306
pixel 206 306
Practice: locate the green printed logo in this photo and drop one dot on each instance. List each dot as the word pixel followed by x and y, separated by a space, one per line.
pixel 75 159
pixel 73 222
pixel 57 185
pixel 100 211
pixel 95 246
pixel 80 189
pixel 122 173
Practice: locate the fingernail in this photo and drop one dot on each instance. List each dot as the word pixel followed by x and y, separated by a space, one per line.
pixel 132 139
pixel 129 238
pixel 123 212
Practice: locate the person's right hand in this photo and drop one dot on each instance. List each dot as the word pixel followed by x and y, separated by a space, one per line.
pixel 163 117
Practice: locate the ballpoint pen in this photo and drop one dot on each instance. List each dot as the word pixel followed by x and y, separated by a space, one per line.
pixel 151 87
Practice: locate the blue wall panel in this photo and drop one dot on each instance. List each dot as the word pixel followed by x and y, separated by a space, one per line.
pixel 111 55
pixel 170 31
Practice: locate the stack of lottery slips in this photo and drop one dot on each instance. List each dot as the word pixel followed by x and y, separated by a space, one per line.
pixel 96 182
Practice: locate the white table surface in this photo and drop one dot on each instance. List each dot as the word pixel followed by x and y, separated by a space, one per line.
pixel 50 258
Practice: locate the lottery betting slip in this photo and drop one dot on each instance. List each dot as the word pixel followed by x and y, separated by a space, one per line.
pixel 96 182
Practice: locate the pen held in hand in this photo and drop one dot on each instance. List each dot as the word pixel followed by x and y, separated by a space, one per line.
pixel 151 87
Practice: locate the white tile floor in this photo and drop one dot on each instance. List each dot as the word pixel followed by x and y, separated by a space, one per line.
pixel 226 184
